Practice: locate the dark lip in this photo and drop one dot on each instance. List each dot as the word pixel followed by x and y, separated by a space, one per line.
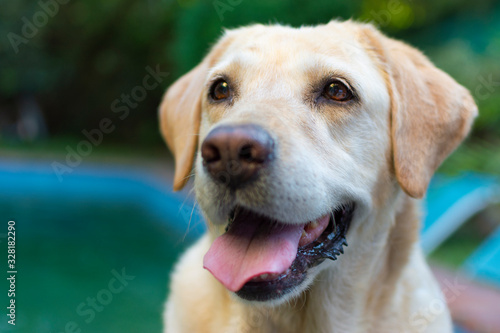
pixel 329 245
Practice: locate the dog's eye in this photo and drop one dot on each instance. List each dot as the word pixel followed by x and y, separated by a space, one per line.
pixel 220 90
pixel 337 91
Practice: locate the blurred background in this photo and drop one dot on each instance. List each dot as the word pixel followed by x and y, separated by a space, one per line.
pixel 86 177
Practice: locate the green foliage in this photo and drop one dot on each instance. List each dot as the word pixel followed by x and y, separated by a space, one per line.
pixel 473 60
pixel 85 57
pixel 203 22
pixel 475 155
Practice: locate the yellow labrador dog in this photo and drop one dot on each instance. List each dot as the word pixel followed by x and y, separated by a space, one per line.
pixel 309 147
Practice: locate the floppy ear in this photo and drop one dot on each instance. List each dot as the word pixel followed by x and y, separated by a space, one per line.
pixel 180 113
pixel 430 112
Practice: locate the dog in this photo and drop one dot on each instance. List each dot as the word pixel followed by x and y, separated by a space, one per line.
pixel 310 147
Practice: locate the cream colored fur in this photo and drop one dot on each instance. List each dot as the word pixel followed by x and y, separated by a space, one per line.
pixel 379 152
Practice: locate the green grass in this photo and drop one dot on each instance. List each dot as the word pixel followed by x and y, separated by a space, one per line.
pixel 56 148
pixel 66 251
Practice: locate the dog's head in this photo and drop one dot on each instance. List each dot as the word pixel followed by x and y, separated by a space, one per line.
pixel 300 137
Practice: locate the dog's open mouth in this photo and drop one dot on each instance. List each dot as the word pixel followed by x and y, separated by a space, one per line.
pixel 263 259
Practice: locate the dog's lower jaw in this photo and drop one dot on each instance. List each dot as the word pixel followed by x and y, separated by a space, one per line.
pixel 345 296
pixel 332 301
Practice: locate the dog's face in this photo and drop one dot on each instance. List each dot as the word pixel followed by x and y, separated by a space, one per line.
pixel 302 135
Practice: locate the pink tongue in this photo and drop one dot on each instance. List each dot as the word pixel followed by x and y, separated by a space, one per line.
pixel 251 248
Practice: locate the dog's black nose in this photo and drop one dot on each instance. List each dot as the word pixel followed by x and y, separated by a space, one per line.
pixel 234 154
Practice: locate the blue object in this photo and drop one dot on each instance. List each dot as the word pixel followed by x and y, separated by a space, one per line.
pixel 112 185
pixel 459 329
pixel 484 263
pixel 450 202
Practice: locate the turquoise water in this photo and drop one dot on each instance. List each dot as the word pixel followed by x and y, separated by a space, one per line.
pixel 71 248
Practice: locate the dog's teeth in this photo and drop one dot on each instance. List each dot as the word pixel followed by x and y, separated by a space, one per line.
pixel 314 224
pixel 266 277
pixel 344 242
pixel 304 234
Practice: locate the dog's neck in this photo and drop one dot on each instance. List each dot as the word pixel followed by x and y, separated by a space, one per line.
pixel 337 290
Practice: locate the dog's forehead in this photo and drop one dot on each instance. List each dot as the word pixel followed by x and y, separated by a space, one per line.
pixel 277 48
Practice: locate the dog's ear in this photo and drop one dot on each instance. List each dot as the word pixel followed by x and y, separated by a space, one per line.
pixel 180 114
pixel 430 112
